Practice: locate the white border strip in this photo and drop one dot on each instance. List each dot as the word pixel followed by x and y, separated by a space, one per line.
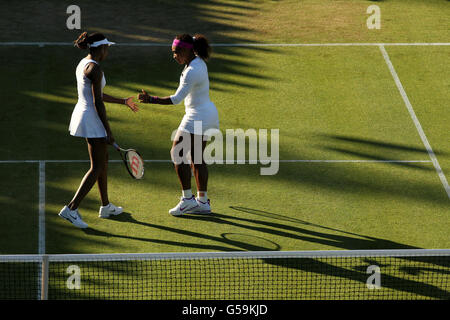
pixel 155 44
pixel 41 241
pixel 361 44
pixel 416 121
pixel 228 255
pixel 225 161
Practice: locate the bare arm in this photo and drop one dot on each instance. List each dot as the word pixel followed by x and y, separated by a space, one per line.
pixel 126 101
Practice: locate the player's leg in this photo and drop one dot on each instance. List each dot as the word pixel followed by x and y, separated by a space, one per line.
pixel 178 153
pixel 200 170
pixel 102 183
pixel 107 209
pixel 97 148
pixel 198 164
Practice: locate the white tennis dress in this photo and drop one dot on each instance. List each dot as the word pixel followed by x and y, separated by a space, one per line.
pixel 194 90
pixel 85 121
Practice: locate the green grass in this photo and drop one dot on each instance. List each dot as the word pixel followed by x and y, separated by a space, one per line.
pixel 19 202
pixel 349 108
pixel 291 21
pixel 316 279
pixel 329 103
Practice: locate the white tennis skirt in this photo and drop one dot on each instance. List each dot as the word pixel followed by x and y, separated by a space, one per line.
pixel 86 123
pixel 208 118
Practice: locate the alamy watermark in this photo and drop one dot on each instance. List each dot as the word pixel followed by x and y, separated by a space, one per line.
pixel 74 280
pixel 374 280
pixel 374 20
pixel 259 148
pixel 74 20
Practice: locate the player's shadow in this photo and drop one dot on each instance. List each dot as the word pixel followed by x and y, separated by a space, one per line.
pixel 401 281
pixel 335 276
pixel 344 240
pixel 224 238
pixel 350 240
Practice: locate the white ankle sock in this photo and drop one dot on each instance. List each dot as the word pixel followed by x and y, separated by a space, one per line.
pixel 187 194
pixel 203 198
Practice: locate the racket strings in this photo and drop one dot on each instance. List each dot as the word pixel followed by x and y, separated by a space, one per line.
pixel 135 164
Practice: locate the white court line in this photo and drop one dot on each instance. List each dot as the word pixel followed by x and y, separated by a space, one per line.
pixel 154 44
pixel 416 121
pixel 41 242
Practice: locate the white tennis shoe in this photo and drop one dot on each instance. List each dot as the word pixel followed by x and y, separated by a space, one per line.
pixel 184 206
pixel 109 210
pixel 73 216
pixel 203 207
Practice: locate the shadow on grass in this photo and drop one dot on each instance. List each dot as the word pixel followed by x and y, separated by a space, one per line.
pixel 400 275
pixel 349 241
pixel 224 239
pixel 364 179
pixel 392 276
pixel 349 268
pixel 378 150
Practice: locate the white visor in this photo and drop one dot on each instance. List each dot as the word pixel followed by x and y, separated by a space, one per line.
pixel 101 42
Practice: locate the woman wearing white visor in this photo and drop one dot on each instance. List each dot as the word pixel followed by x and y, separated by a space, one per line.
pixel 89 121
pixel 194 90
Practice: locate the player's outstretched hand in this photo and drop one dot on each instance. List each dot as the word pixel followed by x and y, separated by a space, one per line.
pixel 130 103
pixel 144 97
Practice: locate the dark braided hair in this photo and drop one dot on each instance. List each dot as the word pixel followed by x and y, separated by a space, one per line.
pixel 200 43
pixel 85 39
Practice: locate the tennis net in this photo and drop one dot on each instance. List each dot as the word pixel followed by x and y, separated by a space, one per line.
pixel 280 275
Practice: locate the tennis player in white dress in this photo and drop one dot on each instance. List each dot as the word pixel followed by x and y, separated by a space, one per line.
pixel 194 90
pixel 89 121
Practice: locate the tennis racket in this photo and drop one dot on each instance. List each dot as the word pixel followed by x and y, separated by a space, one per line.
pixel 133 161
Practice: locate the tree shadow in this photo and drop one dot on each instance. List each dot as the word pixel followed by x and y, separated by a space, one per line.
pixel 401 266
pixel 352 241
pixel 353 179
pixel 352 272
pixel 379 144
pixel 379 150
pixel 334 285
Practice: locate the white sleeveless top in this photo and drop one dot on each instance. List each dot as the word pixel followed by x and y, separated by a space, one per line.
pixel 85 121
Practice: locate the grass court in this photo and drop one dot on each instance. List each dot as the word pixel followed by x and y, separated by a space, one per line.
pixel 362 177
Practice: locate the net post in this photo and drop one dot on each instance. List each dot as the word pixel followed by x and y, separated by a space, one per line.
pixel 44 277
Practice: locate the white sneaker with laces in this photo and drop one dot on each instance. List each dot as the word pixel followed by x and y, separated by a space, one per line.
pixel 73 216
pixel 109 210
pixel 203 207
pixel 184 206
